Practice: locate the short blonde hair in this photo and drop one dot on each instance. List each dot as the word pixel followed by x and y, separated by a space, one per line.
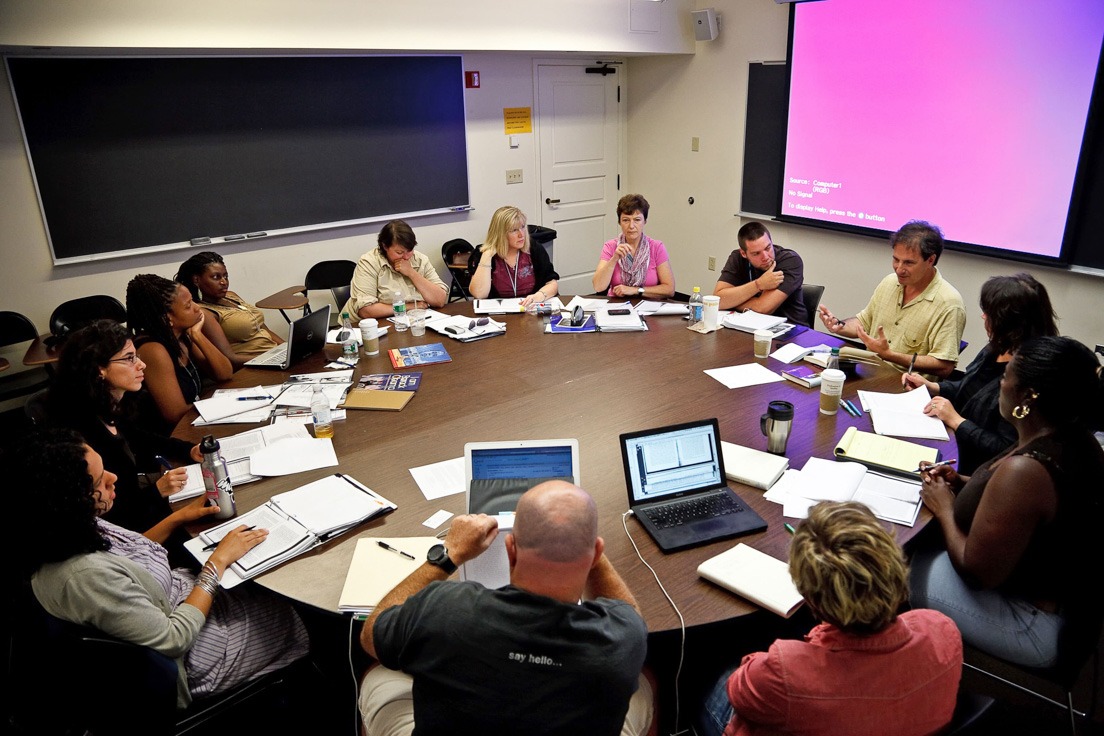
pixel 850 570
pixel 503 221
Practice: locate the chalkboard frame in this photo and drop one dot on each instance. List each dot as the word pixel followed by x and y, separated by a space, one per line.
pixel 178 151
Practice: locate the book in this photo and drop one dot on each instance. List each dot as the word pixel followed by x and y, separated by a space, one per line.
pixel 884 453
pixel 754 468
pixel 391 381
pixel 296 521
pixel 802 375
pixel 608 321
pixel 760 578
pixel 374 571
pixel 846 354
pixel 419 355
pixel 366 398
pixel 751 321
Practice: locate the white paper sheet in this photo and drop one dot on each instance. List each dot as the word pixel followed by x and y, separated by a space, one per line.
pixel 293 456
pixel 740 376
pixel 437 519
pixel 438 480
pixel 902 414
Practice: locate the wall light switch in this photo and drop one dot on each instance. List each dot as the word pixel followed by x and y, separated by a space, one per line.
pixel 513 176
pixel 712 263
pixel 694 144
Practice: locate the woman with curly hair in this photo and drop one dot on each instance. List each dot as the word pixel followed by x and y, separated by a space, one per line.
pixel 97 375
pixel 171 343
pixel 94 573
pixel 238 328
pixel 865 668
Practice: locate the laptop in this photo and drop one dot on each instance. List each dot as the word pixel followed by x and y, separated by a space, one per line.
pixel 677 486
pixel 498 473
pixel 307 336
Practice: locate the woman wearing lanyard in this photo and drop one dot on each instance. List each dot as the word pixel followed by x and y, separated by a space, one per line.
pixel 633 264
pixel 514 269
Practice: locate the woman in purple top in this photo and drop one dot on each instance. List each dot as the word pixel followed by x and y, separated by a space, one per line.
pixel 625 268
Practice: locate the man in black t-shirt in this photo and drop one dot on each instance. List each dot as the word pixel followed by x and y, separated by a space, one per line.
pixel 532 657
pixel 763 277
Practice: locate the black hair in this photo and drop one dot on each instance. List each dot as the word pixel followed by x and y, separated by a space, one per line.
pixel 196 266
pixel 396 232
pixel 51 471
pixel 1063 375
pixel 921 235
pixel 149 300
pixel 1017 308
pixel 78 385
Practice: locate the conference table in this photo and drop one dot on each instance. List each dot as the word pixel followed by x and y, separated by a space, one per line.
pixel 592 387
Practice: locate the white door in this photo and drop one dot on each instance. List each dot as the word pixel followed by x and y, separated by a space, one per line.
pixel 578 127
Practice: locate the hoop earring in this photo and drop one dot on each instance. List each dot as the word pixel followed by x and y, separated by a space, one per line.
pixel 1021 411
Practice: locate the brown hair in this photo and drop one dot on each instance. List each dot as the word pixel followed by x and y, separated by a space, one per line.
pixel 631 203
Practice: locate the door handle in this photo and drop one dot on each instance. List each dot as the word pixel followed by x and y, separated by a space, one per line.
pixel 551 201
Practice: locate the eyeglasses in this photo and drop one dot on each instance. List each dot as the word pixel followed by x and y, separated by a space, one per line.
pixel 481 322
pixel 130 359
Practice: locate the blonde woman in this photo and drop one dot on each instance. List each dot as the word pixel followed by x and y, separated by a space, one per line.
pixel 507 267
pixel 865 669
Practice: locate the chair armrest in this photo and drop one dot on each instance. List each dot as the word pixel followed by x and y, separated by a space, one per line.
pixel 292 297
pixel 39 353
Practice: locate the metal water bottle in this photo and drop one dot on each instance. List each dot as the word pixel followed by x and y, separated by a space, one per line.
pixel 216 479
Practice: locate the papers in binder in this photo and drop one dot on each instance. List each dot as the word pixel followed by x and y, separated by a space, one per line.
pixel 902 415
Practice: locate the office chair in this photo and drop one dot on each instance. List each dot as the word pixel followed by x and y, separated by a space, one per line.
pixel 811 294
pixel 333 275
pixel 74 314
pixel 969 713
pixel 457 255
pixel 16 328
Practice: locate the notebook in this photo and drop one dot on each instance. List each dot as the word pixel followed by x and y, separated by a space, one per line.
pixel 307 336
pixel 677 486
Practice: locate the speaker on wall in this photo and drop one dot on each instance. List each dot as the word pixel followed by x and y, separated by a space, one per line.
pixel 706 24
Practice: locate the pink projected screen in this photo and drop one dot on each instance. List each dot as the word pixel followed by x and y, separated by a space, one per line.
pixel 966 113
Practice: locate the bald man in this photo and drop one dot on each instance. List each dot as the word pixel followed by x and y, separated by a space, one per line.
pixel 532 657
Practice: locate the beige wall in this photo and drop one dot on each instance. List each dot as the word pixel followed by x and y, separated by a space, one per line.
pixel 674 98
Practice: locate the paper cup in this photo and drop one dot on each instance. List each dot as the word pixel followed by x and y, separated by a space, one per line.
pixel 831 388
pixel 711 311
pixel 763 340
pixel 369 334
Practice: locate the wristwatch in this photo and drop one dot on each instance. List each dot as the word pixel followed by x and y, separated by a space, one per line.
pixel 640 291
pixel 438 556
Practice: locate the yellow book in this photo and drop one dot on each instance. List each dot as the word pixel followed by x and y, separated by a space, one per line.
pixel 884 453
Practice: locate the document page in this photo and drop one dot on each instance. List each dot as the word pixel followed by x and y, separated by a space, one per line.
pixel 283 535
pixel 331 503
pixel 492 568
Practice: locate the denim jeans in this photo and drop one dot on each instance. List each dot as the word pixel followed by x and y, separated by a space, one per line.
pixel 1004 626
pixel 716 711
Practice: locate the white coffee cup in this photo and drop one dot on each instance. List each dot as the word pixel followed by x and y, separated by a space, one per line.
pixel 831 388
pixel 711 311
pixel 369 333
pixel 763 340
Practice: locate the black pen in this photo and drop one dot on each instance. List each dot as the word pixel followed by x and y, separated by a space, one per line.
pixel 389 548
pixel 212 545
pixel 926 468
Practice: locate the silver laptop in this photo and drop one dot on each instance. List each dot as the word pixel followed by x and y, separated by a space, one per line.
pixel 498 473
pixel 307 336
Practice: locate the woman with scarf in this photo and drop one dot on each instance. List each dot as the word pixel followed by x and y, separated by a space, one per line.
pixel 632 264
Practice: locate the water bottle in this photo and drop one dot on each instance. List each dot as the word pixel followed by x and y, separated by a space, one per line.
pixel 833 360
pixel 320 411
pixel 216 479
pixel 398 303
pixel 539 308
pixel 350 353
pixel 696 305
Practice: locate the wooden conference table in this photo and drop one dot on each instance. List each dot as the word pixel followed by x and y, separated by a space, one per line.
pixel 591 387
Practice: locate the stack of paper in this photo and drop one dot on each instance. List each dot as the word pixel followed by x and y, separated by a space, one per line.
pixel 751 321
pixel 902 415
pixel 661 309
pixel 194 487
pixel 755 468
pixel 588 305
pixel 884 453
pixel 236 406
pixel 756 576
pixel 492 568
pixel 892 499
pixel 739 376
pixel 375 570
pixel 609 322
pixel 511 306
pixel 792 352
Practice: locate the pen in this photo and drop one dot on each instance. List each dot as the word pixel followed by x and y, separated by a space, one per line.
pixel 254 398
pixel 857 406
pixel 936 465
pixel 389 548
pixel 912 364
pixel 212 545
pixel 789 528
pixel 848 408
pixel 164 463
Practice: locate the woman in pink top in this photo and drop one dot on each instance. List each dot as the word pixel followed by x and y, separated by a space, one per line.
pixel 864 670
pixel 632 264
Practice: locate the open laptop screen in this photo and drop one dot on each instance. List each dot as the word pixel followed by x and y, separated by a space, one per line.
pixel 500 475
pixel 672 460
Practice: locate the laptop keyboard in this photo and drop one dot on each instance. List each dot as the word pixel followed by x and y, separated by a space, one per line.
pixel 693 509
pixel 272 357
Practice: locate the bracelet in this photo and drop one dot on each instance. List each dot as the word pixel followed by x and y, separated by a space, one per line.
pixel 214 568
pixel 207 582
pixel 543 295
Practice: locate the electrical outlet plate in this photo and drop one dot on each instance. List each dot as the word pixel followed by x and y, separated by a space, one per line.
pixel 712 263
pixel 513 176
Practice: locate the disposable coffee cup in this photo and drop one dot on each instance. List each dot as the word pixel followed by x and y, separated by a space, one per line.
pixel 831 388
pixel 711 311
pixel 369 333
pixel 763 340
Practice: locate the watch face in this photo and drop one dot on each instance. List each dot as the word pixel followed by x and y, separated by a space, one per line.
pixel 436 554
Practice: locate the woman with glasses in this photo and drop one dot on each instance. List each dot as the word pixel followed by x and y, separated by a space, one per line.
pixel 99 376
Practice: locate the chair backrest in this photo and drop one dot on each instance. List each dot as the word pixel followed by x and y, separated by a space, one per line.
pixel 456 252
pixel 74 314
pixel 333 275
pixel 811 294
pixel 14 327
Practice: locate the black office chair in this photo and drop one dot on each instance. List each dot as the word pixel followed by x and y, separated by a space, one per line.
pixel 16 328
pixel 811 295
pixel 457 255
pixel 969 714
pixel 74 314
pixel 333 275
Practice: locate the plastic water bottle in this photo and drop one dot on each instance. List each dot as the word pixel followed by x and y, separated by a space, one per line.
pixel 833 360
pixel 216 479
pixel 398 303
pixel 696 305
pixel 350 353
pixel 320 412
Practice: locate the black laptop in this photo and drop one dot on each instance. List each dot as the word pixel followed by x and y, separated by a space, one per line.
pixel 677 486
pixel 307 337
